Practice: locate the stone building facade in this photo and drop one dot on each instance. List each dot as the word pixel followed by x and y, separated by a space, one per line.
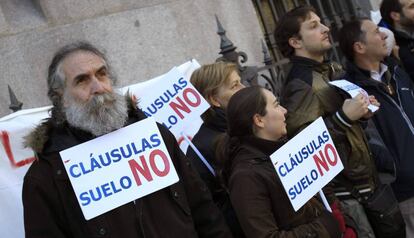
pixel 143 38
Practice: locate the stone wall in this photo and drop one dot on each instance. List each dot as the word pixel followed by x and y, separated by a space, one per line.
pixel 142 38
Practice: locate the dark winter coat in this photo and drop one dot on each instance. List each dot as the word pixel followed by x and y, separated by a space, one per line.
pixel 394 120
pixel 308 95
pixel 184 209
pixel 260 201
pixel 205 141
pixel 406 51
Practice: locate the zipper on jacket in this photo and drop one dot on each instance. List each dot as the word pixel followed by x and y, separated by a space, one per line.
pixel 396 86
pixel 399 106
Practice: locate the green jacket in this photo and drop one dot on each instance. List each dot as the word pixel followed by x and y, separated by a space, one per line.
pixel 308 95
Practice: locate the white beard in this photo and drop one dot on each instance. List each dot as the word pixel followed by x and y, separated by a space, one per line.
pixel 102 114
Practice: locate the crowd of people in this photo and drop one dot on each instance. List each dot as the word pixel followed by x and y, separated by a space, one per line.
pixel 243 196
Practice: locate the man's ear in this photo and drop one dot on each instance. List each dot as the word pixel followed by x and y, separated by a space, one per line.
pixel 60 92
pixel 395 16
pixel 359 47
pixel 295 42
pixel 213 100
pixel 257 120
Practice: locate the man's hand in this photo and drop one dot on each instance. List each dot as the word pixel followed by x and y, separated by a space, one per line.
pixel 373 101
pixel 356 107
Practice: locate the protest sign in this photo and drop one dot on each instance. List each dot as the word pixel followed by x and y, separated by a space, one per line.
pixel 306 163
pixel 15 159
pixel 353 90
pixel 119 167
pixel 172 100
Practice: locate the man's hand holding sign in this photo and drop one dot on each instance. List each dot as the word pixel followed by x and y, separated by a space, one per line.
pixel 119 167
pixel 355 91
pixel 307 163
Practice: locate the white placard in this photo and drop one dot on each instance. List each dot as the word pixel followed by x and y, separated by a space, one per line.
pixel 353 90
pixel 119 167
pixel 172 100
pixel 306 163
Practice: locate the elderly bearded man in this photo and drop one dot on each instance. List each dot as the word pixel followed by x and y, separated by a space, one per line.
pixel 85 106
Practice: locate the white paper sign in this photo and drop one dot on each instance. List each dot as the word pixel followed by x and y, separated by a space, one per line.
pixel 172 101
pixel 119 167
pixel 353 90
pixel 307 163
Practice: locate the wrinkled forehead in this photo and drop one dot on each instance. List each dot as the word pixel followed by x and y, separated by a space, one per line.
pixel 81 62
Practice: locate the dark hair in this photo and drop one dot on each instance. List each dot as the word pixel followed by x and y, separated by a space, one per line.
pixel 243 105
pixel 350 33
pixel 56 78
pixel 388 6
pixel 289 26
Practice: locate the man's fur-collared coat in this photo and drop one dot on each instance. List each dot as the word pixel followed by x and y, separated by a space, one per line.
pixel 184 209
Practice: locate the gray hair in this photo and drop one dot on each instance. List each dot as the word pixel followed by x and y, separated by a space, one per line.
pixel 56 77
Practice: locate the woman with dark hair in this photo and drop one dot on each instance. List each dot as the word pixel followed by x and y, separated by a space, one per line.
pixel 256 126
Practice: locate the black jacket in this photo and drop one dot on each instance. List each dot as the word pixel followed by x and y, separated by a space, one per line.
pixel 205 140
pixel 394 120
pixel 184 209
pixel 406 51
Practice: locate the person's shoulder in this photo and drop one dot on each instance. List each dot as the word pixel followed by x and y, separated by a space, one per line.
pixel 402 75
pixel 247 172
pixel 164 130
pixel 249 160
pixel 39 170
pixel 244 169
pixel 300 74
pixel 39 136
pixel 403 40
pixel 170 142
pixel 205 136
